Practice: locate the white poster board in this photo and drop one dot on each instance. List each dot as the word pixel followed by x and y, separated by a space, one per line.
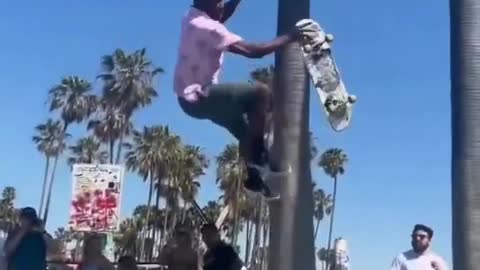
pixel 96 197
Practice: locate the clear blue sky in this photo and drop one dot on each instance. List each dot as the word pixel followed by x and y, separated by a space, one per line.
pixel 394 57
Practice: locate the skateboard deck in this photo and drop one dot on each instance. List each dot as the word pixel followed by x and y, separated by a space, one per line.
pixel 316 47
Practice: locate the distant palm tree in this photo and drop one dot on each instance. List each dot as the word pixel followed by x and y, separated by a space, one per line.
pixel 87 150
pixel 212 210
pixel 264 75
pixel 193 164
pixel 59 146
pixel 323 205
pixel 50 141
pixel 127 239
pixel 8 213
pixel 333 163
pixel 108 126
pixel 230 174
pixel 149 155
pixel 128 84
pixel 45 141
pixel 73 98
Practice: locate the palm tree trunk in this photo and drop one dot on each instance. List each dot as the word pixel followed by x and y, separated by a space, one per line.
pixel 50 187
pixel 157 207
pixel 465 102
pixel 110 150
pixel 44 185
pixel 265 228
pixel 317 227
pixel 256 239
pixel 165 223
pixel 119 149
pixel 247 242
pixel 332 217
pixel 174 218
pixel 236 216
pixel 291 218
pixel 184 212
pixel 147 219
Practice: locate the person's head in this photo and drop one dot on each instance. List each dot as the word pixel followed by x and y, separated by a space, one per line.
pixel 214 8
pixel 92 245
pixel 28 217
pixel 210 235
pixel 421 238
pixel 127 263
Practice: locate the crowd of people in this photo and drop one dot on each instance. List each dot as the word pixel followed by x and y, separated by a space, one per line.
pixel 26 248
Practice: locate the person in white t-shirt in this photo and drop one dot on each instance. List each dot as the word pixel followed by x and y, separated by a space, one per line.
pixel 420 257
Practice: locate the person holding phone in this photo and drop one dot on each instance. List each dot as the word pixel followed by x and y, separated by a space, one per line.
pixel 26 248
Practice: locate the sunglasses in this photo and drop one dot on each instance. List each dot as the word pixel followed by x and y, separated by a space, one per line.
pixel 419 236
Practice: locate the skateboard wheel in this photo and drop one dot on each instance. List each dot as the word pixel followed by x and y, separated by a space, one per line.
pixel 352 98
pixel 329 37
pixel 308 48
pixel 325 46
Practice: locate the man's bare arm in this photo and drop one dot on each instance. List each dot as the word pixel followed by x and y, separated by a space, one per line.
pixel 259 50
pixel 229 9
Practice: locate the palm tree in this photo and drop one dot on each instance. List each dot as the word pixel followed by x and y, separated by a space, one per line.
pixel 264 75
pixel 50 142
pixel 87 150
pixel 59 145
pixel 127 84
pixel 8 213
pixel 45 143
pixel 333 162
pixel 230 173
pixel 212 210
pixel 465 93
pixel 323 205
pixel 73 98
pixel 250 215
pixel 126 241
pixel 108 125
pixel 149 156
pixel 192 163
pixel 291 218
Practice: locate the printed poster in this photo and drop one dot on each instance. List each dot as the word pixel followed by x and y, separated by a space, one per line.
pixel 96 197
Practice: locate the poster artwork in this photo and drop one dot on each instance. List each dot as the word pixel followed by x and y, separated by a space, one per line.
pixel 95 204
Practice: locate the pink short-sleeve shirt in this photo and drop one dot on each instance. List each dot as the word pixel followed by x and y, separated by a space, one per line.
pixel 203 42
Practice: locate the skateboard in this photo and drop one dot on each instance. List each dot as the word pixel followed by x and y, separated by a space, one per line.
pixel 316 47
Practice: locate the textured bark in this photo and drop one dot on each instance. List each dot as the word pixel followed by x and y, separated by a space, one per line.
pixel 465 102
pixel 291 217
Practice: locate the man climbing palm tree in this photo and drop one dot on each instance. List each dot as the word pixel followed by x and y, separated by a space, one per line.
pixel 204 39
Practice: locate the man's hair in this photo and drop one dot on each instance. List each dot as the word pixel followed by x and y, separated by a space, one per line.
pixel 199 3
pixel 421 227
pixel 209 227
pixel 29 213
